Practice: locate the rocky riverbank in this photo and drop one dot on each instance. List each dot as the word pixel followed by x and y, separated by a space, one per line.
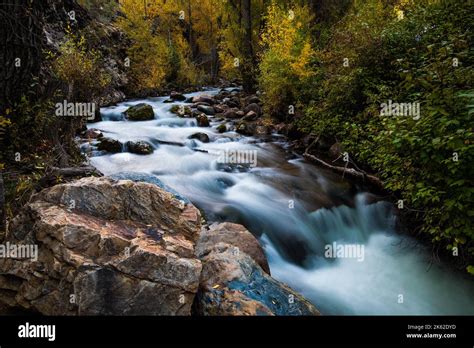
pixel 119 247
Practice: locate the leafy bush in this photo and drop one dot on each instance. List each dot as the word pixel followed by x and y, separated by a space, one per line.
pixel 159 54
pixel 406 53
pixel 79 67
pixel 285 66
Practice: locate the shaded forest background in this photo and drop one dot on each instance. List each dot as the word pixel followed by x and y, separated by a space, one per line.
pixel 322 66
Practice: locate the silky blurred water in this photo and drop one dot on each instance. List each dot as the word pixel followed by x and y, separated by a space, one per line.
pixel 295 209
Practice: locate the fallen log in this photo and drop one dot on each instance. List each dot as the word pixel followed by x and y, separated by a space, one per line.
pixel 171 143
pixel 348 172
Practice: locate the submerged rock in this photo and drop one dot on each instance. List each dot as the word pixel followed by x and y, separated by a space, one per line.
pixel 181 110
pixel 202 137
pixel 140 112
pixel 139 147
pixel 110 145
pixel 202 121
pixel 222 128
pixel 105 247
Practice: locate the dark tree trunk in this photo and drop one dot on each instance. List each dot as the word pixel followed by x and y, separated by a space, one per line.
pixel 214 57
pixel 2 209
pixel 192 41
pixel 21 48
pixel 247 66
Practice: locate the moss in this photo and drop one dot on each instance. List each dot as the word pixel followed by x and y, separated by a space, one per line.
pixel 140 112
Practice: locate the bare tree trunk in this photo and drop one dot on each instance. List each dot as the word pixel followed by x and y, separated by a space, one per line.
pixel 214 57
pixel 3 224
pixel 20 47
pixel 247 66
pixel 192 42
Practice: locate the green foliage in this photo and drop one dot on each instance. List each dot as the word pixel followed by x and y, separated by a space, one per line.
pixel 79 67
pixel 406 58
pixel 159 54
pixel 285 66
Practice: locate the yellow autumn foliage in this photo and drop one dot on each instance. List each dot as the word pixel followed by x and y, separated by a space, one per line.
pixel 79 67
pixel 148 54
pixel 286 60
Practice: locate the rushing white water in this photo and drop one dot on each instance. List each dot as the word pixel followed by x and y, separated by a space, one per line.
pixel 296 210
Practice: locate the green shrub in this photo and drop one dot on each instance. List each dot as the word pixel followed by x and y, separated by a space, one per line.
pixel 409 60
pixel 286 62
pixel 80 68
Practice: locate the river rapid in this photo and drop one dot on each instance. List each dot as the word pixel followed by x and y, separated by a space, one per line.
pixel 298 211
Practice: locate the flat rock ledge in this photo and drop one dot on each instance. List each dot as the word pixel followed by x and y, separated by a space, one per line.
pixel 122 247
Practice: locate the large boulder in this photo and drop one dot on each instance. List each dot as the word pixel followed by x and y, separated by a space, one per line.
pixel 140 112
pixel 105 247
pixel 233 281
